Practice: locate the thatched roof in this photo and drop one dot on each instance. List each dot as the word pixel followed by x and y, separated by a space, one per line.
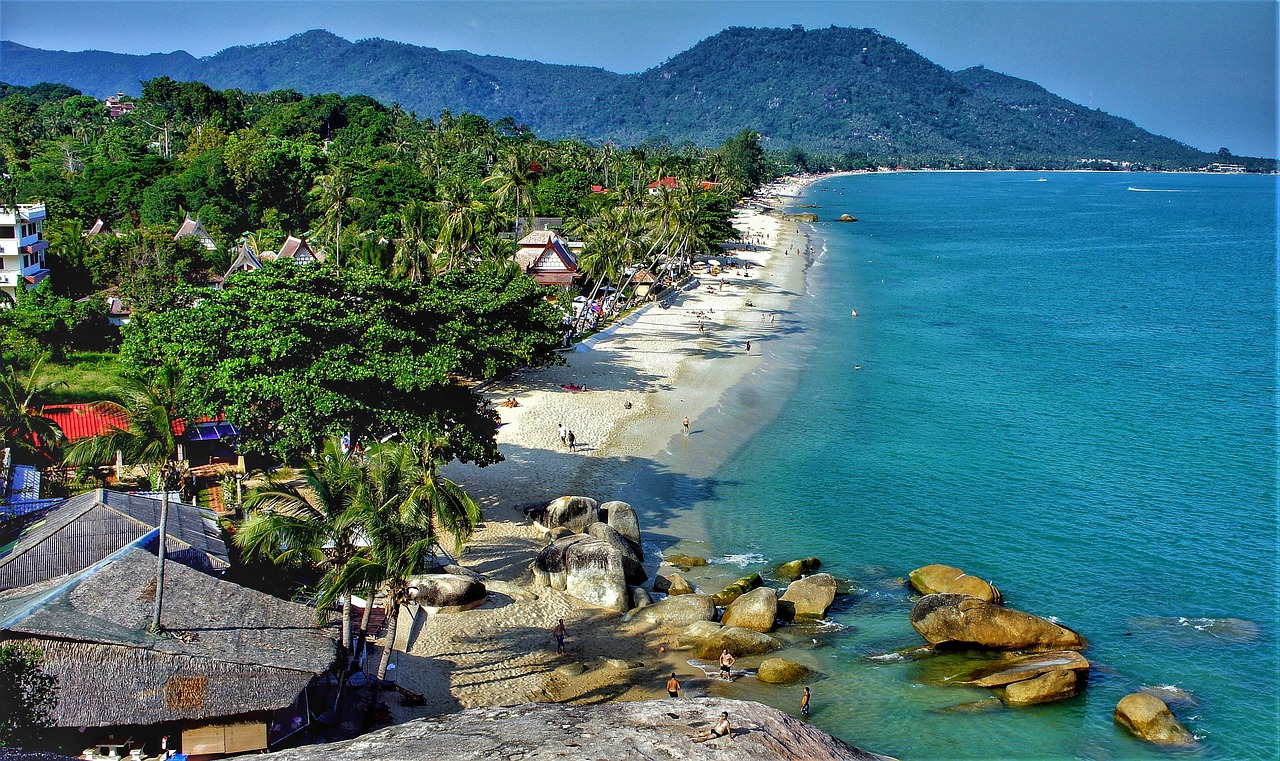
pixel 226 649
pixel 91 526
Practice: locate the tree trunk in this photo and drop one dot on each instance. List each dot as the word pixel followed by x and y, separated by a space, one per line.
pixel 393 622
pixel 362 639
pixel 346 622
pixel 162 547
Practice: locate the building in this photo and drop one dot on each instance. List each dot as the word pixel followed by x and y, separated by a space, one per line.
pixel 117 105
pixel 204 441
pixel 671 183
pixel 1225 168
pixel 193 229
pixel 22 248
pixel 296 250
pixel 231 671
pixel 89 527
pixel 547 258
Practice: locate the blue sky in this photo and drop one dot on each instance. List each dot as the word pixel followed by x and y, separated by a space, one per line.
pixel 1202 72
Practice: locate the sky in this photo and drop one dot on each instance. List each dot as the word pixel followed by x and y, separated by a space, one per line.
pixel 1201 72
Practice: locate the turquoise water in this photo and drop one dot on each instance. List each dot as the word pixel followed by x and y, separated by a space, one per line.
pixel 1067 387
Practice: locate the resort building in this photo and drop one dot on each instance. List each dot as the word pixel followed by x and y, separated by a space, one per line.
pixel 191 228
pixel 22 248
pixel 547 258
pixel 117 105
pixel 233 670
pixel 296 250
pixel 203 442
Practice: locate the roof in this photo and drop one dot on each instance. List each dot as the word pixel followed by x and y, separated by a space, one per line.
pixel 226 649
pixel 83 420
pixel 298 250
pixel 91 526
pixel 246 261
pixel 192 227
pixel 663 182
pixel 543 250
pixel 643 277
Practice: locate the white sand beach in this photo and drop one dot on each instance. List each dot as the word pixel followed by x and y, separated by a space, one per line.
pixel 642 376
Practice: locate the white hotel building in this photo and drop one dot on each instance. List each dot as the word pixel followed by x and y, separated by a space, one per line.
pixel 22 246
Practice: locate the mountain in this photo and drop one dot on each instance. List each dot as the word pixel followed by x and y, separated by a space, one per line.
pixel 834 89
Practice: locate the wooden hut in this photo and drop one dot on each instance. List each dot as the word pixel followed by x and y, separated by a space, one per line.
pixel 547 258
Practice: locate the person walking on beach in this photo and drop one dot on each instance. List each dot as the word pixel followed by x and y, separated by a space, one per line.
pixel 673 686
pixel 559 632
pixel 726 665
pixel 685 422
pixel 564 435
pixel 804 703
pixel 748 347
pixel 570 439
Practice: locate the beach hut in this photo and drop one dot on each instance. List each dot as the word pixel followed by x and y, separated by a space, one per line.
pixel 229 672
pixel 643 280
pixel 191 228
pixel 547 258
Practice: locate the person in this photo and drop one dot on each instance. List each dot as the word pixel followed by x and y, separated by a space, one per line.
pixel 686 423
pixel 722 728
pixel 571 440
pixel 559 632
pixel 804 703
pixel 726 665
pixel 564 435
pixel 673 686
pixel 748 346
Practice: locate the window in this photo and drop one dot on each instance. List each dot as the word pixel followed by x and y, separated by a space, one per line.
pixel 6 231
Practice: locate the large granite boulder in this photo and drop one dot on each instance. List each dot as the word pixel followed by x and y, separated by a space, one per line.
pixel 622 517
pixel 738 588
pixel 755 610
pixel 639 730
pixel 632 560
pixel 796 568
pixel 679 611
pixel 1046 688
pixel 446 591
pixel 587 568
pixel 574 513
pixel 946 620
pixel 672 583
pixel 684 562
pixel 943 579
pixel 781 671
pixel 1149 718
pixel 847 218
pixel 808 597
pixel 736 640
pixel 1026 667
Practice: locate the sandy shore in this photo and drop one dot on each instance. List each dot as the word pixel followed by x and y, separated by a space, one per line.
pixel 642 375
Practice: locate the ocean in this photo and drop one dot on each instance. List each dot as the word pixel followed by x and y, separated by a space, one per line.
pixel 1058 382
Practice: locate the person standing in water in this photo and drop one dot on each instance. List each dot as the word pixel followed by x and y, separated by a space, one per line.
pixel 685 423
pixel 726 665
pixel 804 703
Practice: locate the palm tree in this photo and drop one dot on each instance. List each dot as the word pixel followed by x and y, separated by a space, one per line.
pixel 413 258
pixel 513 180
pixel 448 507
pixel 461 217
pixel 333 196
pixel 26 429
pixel 151 409
pixel 308 522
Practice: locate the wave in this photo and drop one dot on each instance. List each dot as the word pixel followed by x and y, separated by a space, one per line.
pixel 1153 190
pixel 888 658
pixel 741 560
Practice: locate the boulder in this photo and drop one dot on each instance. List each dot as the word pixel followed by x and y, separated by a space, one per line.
pixel 587 568
pixel 738 588
pixel 803 217
pixel 684 562
pixel 781 671
pixel 640 598
pixel 943 579
pixel 1046 688
pixel 1149 718
pixel 847 218
pixel 755 610
pixel 797 568
pixel 632 561
pixel 696 633
pixel 672 583
pixel 446 591
pixel 570 669
pixel 811 596
pixel 622 518
pixel 948 620
pixel 1027 667
pixel 559 532
pixel 679 611
pixel 461 571
pixel 574 513
pixel 736 640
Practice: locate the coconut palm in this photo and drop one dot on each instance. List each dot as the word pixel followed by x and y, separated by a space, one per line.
pixel 461 217
pixel 413 254
pixel 513 180
pixel 151 410
pixel 309 521
pixel 26 429
pixel 448 507
pixel 333 196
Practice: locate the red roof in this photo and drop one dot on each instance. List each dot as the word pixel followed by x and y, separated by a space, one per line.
pixel 81 421
pixel 599 189
pixel 664 182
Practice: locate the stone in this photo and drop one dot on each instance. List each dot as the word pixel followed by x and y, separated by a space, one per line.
pixel 574 513
pixel 632 560
pixel 1046 688
pixel 738 588
pixel 960 621
pixel 639 730
pixel 796 568
pixel 672 583
pixel 458 570
pixel 736 640
pixel 847 218
pixel 622 518
pixel 755 610
pixel 974 706
pixel 679 611
pixel 1149 718
pixel 559 532
pixel 697 633
pixel 781 671
pixel 811 596
pixel 446 591
pixel 684 562
pixel 804 217
pixel 584 567
pixel 943 579
pixel 617 663
pixel 570 669
pixel 640 598
pixel 1027 667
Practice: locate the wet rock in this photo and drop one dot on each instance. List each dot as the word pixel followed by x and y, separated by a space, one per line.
pixel 847 218
pixel 755 610
pixel 811 596
pixel 736 640
pixel 679 611
pixel 672 583
pixel 948 620
pixel 684 562
pixel 943 579
pixel 975 706
pixel 1027 667
pixel 1046 688
pixel 738 588
pixel 1193 629
pixel 781 671
pixel 1149 719
pixel 640 598
pixel 796 568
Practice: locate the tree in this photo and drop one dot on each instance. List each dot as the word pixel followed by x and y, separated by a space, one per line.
pixel 513 179
pixel 334 198
pixel 311 521
pixel 152 409
pixel 28 695
pixel 27 432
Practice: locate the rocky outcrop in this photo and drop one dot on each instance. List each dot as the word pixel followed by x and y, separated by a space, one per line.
pixel 632 560
pixel 797 568
pixel 573 513
pixel 625 731
pixel 684 562
pixel 943 579
pixel 755 610
pixel 1046 688
pixel 847 218
pixel 1027 667
pixel 808 597
pixel 621 517
pixel 587 568
pixel 678 612
pixel 802 217
pixel 1149 718
pixel 735 639
pixel 781 671
pixel 672 583
pixel 442 592
pixel 948 620
pixel 738 588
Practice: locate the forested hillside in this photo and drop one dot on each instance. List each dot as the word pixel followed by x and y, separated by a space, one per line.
pixel 832 90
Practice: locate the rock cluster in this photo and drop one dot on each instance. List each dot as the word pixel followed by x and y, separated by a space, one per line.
pixel 595 553
pixel 961 621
